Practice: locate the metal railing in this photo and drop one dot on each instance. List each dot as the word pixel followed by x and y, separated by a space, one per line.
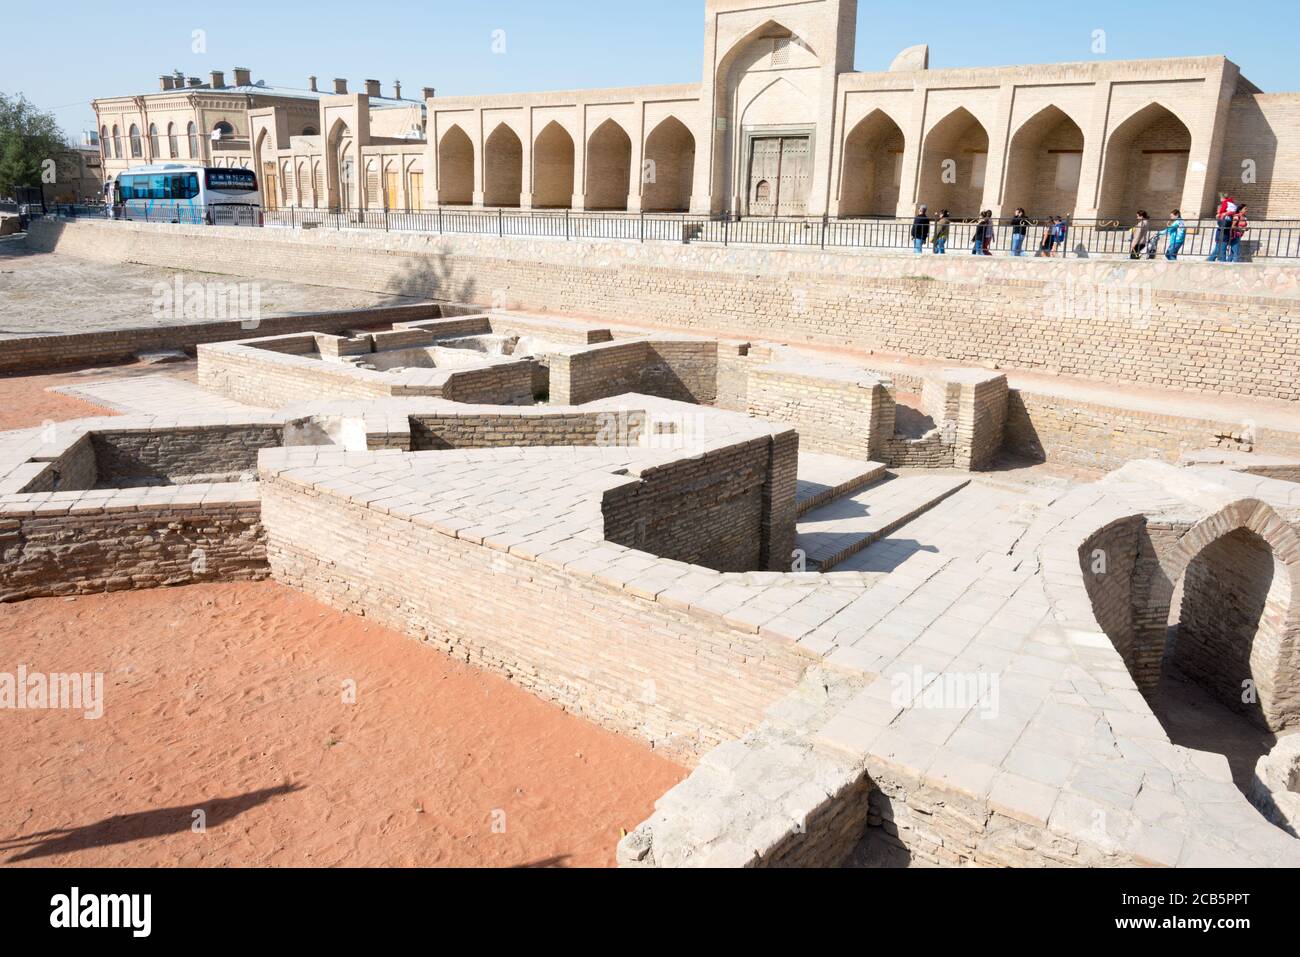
pixel 1267 239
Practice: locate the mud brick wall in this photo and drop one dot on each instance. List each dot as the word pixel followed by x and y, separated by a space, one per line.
pixel 75 468
pixel 509 383
pixel 1058 429
pixel 178 453
pixel 921 825
pixel 683 683
pixel 488 431
pixel 686 371
pixel 1108 560
pixel 1233 629
pixel 981 423
pixel 125 547
pixel 1186 325
pixel 840 417
pixel 706 510
pixel 269 381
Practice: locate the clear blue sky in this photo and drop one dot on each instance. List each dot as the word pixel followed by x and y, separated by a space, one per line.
pixel 564 44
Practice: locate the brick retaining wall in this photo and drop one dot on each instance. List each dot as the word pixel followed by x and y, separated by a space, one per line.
pixel 1153 323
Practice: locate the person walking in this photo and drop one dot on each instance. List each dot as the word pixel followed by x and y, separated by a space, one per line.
pixel 920 229
pixel 1049 238
pixel 977 236
pixel 1225 222
pixel 1176 233
pixel 989 233
pixel 1240 227
pixel 1019 230
pixel 942 229
pixel 1062 229
pixel 1140 233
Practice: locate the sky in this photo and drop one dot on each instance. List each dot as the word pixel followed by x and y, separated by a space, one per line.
pixel 571 44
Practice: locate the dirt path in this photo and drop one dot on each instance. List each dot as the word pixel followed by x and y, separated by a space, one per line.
pixel 229 699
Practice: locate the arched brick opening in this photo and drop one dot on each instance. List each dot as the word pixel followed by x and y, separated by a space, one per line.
pixel 954 164
pixel 609 167
pixel 1226 639
pixel 1145 166
pixel 341 175
pixel 456 169
pixel 669 172
pixel 1234 629
pixel 1044 165
pixel 1238 622
pixel 553 168
pixel 753 60
pixel 503 168
pixel 873 166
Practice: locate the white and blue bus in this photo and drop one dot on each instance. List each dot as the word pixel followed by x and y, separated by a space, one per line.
pixel 180 193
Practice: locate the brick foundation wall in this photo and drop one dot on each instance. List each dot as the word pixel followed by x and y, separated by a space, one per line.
pixel 677 681
pixel 850 417
pixel 180 453
pixel 1057 429
pixel 707 510
pixel 685 371
pixel 1151 323
pixel 45 555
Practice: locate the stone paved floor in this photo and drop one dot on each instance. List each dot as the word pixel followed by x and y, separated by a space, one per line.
pixel 156 394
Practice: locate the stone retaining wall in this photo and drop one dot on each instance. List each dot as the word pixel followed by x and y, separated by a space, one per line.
pixel 47 551
pixel 635 666
pixel 1152 323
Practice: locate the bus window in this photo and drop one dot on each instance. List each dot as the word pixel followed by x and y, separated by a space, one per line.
pixel 232 180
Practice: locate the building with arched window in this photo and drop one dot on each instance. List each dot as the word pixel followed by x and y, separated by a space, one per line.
pixel 208 120
pixel 782 124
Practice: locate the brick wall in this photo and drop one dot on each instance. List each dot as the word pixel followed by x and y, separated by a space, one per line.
pixel 685 370
pixel 706 510
pixel 1152 323
pixel 680 682
pixel 45 554
pixel 1058 429
pixel 181 453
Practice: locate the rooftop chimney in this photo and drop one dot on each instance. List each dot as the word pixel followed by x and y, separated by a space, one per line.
pixel 340 86
pixel 218 79
pixel 243 76
pixel 428 92
pixel 397 89
pixel 311 84
pixel 372 88
pixel 165 82
pixel 195 81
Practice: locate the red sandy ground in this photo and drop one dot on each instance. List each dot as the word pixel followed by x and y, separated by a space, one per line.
pixel 228 698
pixel 25 403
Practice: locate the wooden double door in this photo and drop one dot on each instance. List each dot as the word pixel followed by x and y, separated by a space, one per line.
pixel 780 176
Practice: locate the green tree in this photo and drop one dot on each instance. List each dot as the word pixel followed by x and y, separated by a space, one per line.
pixel 28 137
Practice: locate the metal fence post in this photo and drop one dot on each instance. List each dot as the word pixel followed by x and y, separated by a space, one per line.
pixel 726 231
pixel 439 220
pixel 566 225
pixel 643 225
pixel 501 223
pixel 826 220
